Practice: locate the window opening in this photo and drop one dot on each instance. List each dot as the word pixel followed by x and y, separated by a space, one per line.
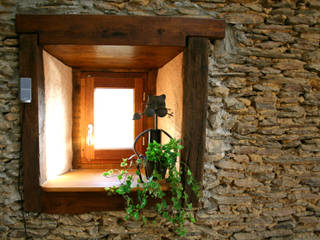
pixel 108 101
pixel 113 125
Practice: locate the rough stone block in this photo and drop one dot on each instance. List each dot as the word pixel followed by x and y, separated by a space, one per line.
pixel 230 174
pixel 246 236
pixel 265 103
pixel 228 164
pixel 247 183
pixel 309 220
pixel 244 18
pixel 279 212
pixel 236 200
pixel 286 64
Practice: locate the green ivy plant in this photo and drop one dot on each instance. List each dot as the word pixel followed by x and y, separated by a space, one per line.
pixel 175 210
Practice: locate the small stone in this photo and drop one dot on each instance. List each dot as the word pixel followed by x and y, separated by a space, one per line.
pixel 276 233
pixel 245 101
pixel 140 2
pixel 15 147
pixel 276 19
pixel 236 82
pixel 245 128
pixel 12 116
pixel 38 232
pixel 228 164
pixel 210 168
pixel 5 125
pixel 309 220
pixel 217 146
pixel 268 44
pixel 230 174
pixel 302 20
pixel 245 236
pixel 312 181
pixel 270 70
pixel 234 104
pixel 241 158
pixel 265 103
pixel 283 11
pixel 247 183
pixel 244 18
pixel 279 212
pixel 243 68
pixel 233 200
pixel 275 130
pixel 281 37
pixel 189 11
pixel 314 4
pixel 285 225
pixel 215 157
pixel 289 64
pixel 313 66
pixel 11 42
pixel 253 6
pixel 234 7
pixel 221 91
pixel 255 158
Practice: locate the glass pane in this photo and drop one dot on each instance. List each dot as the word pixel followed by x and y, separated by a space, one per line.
pixel 113 124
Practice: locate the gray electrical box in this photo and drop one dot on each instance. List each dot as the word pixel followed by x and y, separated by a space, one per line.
pixel 25 90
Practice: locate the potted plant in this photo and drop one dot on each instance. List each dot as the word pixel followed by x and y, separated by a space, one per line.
pixel 175 210
pixel 160 168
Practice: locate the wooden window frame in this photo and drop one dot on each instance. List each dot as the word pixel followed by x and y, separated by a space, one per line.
pixel 89 81
pixel 38 30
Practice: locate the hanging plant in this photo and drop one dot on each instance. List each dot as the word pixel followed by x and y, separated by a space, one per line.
pixel 165 170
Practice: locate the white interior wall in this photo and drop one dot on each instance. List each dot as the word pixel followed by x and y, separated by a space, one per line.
pixel 58 117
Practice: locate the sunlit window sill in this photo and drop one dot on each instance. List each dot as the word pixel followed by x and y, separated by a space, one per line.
pixel 85 180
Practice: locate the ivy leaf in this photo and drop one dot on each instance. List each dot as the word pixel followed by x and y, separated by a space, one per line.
pixel 144 219
pixel 123 164
pixel 107 173
pixel 159 207
pixel 129 210
pixel 144 203
pixel 189 205
pixel 136 215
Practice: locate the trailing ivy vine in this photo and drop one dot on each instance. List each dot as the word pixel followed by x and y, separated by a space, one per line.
pixel 177 208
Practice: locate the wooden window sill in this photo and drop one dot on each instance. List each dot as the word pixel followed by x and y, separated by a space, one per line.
pixel 81 191
pixel 86 180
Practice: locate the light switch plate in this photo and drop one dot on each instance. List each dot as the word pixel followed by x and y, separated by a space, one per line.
pixel 25 90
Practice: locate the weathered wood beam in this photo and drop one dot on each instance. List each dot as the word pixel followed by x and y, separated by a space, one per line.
pixel 118 30
pixel 195 94
pixel 32 115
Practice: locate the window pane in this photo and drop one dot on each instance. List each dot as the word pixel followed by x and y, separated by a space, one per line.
pixel 113 124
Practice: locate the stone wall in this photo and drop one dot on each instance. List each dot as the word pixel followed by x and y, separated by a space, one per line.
pixel 262 171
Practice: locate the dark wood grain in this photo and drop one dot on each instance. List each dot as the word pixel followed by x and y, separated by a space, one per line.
pixel 106 56
pixel 83 202
pixel 195 94
pixel 80 202
pixel 118 30
pixel 30 61
pixel 76 118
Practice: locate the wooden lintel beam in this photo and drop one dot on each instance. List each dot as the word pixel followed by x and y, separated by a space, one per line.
pixel 118 30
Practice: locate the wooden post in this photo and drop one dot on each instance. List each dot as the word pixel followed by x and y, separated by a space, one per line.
pixel 32 115
pixel 195 94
